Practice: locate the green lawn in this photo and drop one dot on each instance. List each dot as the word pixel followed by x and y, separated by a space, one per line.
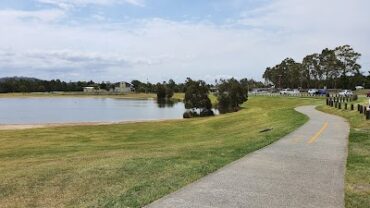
pixel 130 165
pixel 358 162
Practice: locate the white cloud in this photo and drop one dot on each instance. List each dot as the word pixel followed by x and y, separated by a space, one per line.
pixel 161 49
pixel 40 15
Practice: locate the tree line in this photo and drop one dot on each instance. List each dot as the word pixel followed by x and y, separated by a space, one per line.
pixel 27 84
pixel 332 68
pixel 24 85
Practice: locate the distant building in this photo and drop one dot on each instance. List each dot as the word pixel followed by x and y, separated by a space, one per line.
pixel 89 89
pixel 123 87
pixel 213 89
pixel 120 87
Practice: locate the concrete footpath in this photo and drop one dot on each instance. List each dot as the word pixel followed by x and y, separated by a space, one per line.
pixel 304 169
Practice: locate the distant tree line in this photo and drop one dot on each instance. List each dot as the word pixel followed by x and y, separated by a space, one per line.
pixel 26 84
pixel 23 84
pixel 332 68
pixel 147 87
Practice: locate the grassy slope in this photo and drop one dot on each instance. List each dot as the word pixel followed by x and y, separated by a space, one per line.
pixel 132 164
pixel 358 162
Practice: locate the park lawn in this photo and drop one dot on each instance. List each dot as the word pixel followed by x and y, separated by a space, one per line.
pixel 357 190
pixel 131 165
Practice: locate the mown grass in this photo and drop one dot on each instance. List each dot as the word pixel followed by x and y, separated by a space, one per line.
pixel 357 191
pixel 131 165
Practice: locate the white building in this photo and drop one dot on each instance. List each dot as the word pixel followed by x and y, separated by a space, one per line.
pixel 89 89
pixel 123 87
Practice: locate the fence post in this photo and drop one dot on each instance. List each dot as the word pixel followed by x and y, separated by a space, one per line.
pixel 352 107
pixel 345 106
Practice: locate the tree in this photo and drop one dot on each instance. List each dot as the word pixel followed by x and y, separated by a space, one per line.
pixel 172 85
pixel 137 85
pixel 311 70
pixel 164 92
pixel 329 67
pixel 196 97
pixel 251 84
pixel 286 74
pixel 348 65
pixel 231 94
pixel 104 86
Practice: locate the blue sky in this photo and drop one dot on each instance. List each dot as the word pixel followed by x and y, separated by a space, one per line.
pixel 178 10
pixel 161 39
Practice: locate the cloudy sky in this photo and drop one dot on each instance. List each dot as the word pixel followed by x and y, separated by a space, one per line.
pixel 161 39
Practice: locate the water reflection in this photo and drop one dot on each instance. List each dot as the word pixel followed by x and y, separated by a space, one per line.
pixel 165 103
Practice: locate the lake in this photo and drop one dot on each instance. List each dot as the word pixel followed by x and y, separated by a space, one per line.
pixel 76 110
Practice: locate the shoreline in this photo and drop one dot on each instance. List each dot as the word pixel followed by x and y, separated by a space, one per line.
pixel 4 127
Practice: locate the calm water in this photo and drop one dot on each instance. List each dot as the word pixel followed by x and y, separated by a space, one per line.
pixel 72 110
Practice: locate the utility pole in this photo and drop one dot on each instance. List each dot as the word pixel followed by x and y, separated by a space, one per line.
pixel 147 85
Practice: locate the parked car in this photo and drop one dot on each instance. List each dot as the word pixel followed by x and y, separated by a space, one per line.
pixel 294 92
pixel 368 94
pixel 284 91
pixel 345 93
pixel 322 92
pixel 313 91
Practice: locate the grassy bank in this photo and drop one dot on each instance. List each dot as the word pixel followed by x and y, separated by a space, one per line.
pixel 358 161
pixel 130 165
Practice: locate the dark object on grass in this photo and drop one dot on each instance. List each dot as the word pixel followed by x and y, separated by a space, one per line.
pixel 190 114
pixel 266 130
pixel 206 112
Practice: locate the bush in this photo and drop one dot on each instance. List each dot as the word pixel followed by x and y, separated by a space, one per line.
pixel 231 95
pixel 196 97
pixel 164 92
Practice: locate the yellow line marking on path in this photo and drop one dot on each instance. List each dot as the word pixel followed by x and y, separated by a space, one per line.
pixel 317 135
